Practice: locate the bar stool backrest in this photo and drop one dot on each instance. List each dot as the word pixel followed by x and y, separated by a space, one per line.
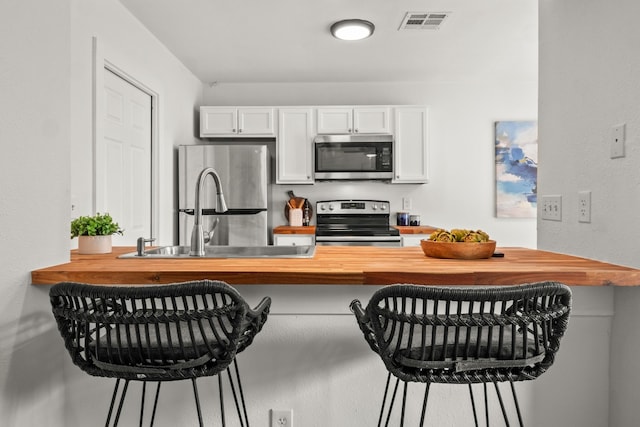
pixel 158 333
pixel 466 334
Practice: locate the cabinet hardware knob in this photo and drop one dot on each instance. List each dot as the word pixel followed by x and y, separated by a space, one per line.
pixel 356 130
pixel 233 130
pixel 239 130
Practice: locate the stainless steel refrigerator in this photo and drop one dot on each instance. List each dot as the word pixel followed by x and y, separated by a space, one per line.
pixel 244 175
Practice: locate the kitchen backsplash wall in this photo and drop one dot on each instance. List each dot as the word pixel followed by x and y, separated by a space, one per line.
pixel 461 188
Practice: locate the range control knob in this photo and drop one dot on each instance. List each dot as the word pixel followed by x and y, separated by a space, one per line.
pixel 322 207
pixel 383 207
pixel 331 207
pixel 374 207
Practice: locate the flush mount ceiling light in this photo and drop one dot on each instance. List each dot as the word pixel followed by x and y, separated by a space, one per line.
pixel 352 29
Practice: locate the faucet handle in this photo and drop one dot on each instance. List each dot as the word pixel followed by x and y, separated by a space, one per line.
pixel 208 235
pixel 141 244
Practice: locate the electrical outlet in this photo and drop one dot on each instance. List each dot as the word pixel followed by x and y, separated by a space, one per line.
pixel 551 208
pixel 617 141
pixel 584 206
pixel 406 203
pixel 282 418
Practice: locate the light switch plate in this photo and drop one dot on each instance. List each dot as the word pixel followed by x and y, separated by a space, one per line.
pixel 406 203
pixel 551 208
pixel 617 141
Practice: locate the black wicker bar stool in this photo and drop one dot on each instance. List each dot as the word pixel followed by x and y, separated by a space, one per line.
pixel 158 333
pixel 462 335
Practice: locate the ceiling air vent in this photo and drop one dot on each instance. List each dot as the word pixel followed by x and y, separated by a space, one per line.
pixel 423 20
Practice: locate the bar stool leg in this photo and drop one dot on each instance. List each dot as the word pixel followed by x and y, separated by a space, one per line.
pixel 224 423
pixel 195 393
pixel 515 399
pixel 144 389
pixel 384 399
pixel 504 411
pixel 235 397
pixel 393 399
pixel 486 403
pixel 473 406
pixel 113 401
pixel 424 403
pixel 244 406
pixel 124 393
pixel 155 404
pixel 404 403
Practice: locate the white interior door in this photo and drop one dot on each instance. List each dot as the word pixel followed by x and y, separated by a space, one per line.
pixel 123 158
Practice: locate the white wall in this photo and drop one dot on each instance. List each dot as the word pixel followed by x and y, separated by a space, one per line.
pixel 588 83
pixel 125 43
pixel 45 132
pixel 34 203
pixel 461 190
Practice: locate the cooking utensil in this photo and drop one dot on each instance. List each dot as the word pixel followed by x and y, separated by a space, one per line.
pixel 295 202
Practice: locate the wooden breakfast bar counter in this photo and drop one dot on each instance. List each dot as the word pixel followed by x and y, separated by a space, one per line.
pixel 312 338
pixel 344 265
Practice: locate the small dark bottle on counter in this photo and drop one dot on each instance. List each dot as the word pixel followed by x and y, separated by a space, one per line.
pixel 306 213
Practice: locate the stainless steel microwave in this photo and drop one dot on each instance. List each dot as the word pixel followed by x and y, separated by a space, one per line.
pixel 352 157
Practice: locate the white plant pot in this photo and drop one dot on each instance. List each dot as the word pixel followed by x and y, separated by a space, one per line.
pixel 94 245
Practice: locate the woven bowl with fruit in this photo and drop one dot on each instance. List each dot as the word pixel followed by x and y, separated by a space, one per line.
pixel 458 244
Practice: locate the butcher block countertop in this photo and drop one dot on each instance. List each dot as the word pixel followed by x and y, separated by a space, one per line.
pixel 344 265
pixel 415 229
pixel 287 229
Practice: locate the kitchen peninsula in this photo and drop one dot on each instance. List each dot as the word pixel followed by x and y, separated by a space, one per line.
pixel 344 265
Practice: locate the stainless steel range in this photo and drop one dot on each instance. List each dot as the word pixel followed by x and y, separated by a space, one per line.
pixel 355 223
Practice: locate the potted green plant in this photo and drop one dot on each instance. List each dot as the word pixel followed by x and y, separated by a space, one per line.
pixel 94 233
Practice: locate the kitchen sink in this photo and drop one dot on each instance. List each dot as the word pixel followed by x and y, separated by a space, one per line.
pixel 182 252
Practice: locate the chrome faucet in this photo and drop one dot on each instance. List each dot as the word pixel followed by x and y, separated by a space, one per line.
pixel 198 234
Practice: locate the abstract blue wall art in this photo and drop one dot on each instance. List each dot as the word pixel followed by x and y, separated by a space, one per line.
pixel 516 168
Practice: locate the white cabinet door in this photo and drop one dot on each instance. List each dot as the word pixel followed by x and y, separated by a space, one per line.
pixel 335 120
pixel 234 121
pixel 215 121
pixel 294 160
pixel 294 240
pixel 347 120
pixel 371 120
pixel 411 145
pixel 255 121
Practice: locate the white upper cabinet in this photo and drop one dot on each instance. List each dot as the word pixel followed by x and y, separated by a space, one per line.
pixel 346 120
pixel 411 145
pixel 371 120
pixel 295 127
pixel 256 121
pixel 236 121
pixel 294 160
